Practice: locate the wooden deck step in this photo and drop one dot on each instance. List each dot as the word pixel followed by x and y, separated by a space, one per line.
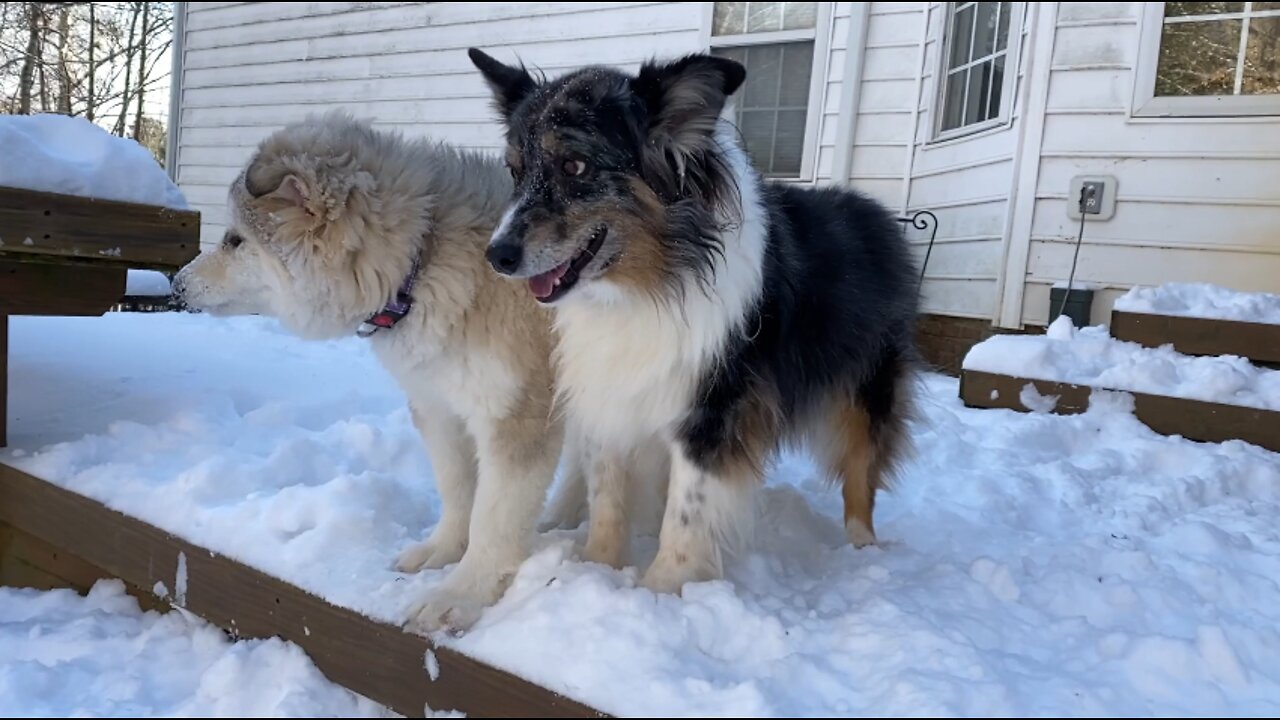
pixel 52 537
pixel 1192 419
pixel 1258 342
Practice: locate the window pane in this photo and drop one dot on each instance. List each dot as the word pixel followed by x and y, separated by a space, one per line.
pixel 737 54
pixel 729 18
pixel 984 35
pixel 757 133
pixel 799 15
pixel 1198 58
pixel 1002 33
pixel 961 34
pixel 788 144
pixel 976 102
pixel 1260 7
pixel 953 101
pixel 764 16
pixel 997 87
pixel 778 76
pixel 797 65
pixel 1183 9
pixel 764 68
pixel 1262 57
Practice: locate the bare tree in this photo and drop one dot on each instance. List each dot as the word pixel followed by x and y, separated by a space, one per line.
pixel 142 78
pixel 64 60
pixel 29 60
pixel 93 67
pixel 130 51
pixel 103 61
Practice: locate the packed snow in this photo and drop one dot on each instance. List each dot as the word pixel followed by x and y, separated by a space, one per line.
pixel 63 655
pixel 147 283
pixel 1202 300
pixel 1090 356
pixel 1030 564
pixel 72 156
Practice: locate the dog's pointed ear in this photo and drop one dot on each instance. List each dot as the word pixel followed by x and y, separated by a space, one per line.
pixel 293 190
pixel 686 96
pixel 509 85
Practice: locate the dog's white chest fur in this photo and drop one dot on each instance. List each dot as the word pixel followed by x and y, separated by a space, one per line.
pixel 628 367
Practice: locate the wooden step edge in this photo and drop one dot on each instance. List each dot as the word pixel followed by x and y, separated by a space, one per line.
pixel 1191 419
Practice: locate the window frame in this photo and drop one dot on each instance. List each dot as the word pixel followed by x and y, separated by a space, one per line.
pixel 1013 53
pixel 820 35
pixel 1147 104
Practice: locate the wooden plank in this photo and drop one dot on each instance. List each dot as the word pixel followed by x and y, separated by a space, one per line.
pixel 27 561
pixel 31 288
pixel 1191 419
pixel 372 658
pixel 1258 342
pixel 34 223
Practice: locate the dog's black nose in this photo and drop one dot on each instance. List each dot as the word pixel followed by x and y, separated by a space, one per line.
pixel 505 256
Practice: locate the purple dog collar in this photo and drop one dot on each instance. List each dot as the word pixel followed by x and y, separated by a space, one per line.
pixel 394 311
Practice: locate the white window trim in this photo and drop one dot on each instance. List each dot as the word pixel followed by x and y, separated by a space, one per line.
pixel 1011 70
pixel 821 36
pixel 1145 102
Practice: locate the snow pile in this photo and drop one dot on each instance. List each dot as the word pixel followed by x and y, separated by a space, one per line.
pixel 1030 564
pixel 72 156
pixel 63 655
pixel 1089 356
pixel 146 283
pixel 1202 300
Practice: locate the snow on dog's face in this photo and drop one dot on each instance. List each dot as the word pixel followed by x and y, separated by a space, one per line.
pixel 618 177
pixel 308 241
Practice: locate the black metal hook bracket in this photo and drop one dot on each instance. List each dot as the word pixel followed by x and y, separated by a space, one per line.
pixel 923 220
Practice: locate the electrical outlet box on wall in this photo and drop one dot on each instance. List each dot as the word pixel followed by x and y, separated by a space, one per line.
pixel 1101 205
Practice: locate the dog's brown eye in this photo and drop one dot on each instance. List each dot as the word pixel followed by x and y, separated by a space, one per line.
pixel 233 241
pixel 574 168
pixel 514 175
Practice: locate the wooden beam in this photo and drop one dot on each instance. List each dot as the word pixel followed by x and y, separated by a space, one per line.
pixel 34 224
pixel 372 658
pixel 29 288
pixel 27 561
pixel 1192 419
pixel 1258 342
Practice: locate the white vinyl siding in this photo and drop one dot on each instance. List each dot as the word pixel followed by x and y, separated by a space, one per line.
pixel 248 68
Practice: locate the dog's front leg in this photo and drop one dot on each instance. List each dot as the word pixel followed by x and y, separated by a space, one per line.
pixel 706 513
pixel 568 504
pixel 517 463
pixel 453 458
pixel 609 535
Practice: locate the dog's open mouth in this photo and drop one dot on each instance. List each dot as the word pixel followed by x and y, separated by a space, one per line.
pixel 553 284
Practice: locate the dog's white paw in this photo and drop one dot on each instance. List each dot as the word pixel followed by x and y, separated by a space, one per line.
pixel 567 508
pixel 609 551
pixel 860 535
pixel 442 548
pixel 567 521
pixel 458 602
pixel 670 572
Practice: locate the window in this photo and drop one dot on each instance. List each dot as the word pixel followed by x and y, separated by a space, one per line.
pixel 977 67
pixel 1210 58
pixel 778 44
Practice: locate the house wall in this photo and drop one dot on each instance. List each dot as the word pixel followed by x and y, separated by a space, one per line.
pixel 1198 199
pixel 248 68
pixel 964 181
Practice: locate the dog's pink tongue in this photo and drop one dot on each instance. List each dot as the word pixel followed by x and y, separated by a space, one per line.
pixel 543 285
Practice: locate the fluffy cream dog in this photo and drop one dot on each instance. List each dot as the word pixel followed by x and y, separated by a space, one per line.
pixel 337 229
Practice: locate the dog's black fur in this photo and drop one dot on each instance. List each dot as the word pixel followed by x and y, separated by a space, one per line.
pixel 834 319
